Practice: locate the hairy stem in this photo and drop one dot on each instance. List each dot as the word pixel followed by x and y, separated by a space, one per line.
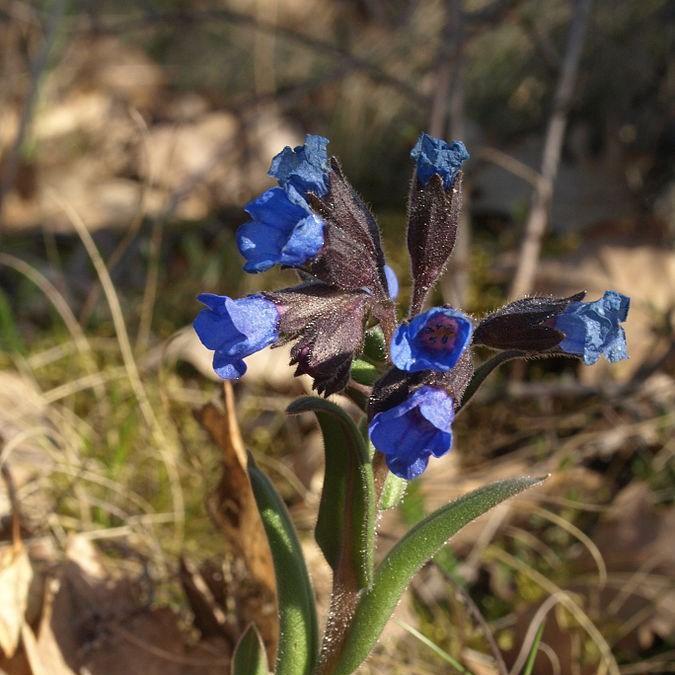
pixel 484 370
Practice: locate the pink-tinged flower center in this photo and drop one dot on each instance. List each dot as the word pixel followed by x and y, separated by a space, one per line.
pixel 440 333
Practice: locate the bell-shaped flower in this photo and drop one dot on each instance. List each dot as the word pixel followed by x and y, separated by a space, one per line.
pixel 283 231
pixel 525 325
pixel 410 432
pixel 436 157
pixel 592 329
pixel 433 340
pixel 235 329
pixel 305 167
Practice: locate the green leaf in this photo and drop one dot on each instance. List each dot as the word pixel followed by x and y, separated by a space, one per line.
pixel 298 626
pixel 249 655
pixel 531 657
pixel 393 491
pixel 364 372
pixel 346 522
pixel 417 547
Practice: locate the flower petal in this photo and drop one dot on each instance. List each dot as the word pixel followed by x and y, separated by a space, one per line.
pixel 592 329
pixel 228 368
pixel 236 329
pixel 437 157
pixel 410 432
pixel 433 340
pixel 304 167
pixel 283 231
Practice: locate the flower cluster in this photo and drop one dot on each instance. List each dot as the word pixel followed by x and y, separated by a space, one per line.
pixel 316 223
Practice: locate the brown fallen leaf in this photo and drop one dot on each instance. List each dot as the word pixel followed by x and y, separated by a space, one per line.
pixel 16 574
pixel 250 585
pixel 15 577
pixel 209 614
pixel 43 656
pixel 94 621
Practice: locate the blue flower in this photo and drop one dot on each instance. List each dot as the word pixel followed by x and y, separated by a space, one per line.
pixel 433 340
pixel 435 156
pixel 284 231
pixel 592 328
pixel 304 167
pixel 409 433
pixel 235 329
pixel 392 282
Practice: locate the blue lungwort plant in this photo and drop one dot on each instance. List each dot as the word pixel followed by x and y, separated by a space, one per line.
pixel 410 378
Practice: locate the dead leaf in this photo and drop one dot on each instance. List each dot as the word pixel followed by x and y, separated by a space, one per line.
pixel 43 656
pixel 15 577
pixel 234 508
pixel 209 616
pixel 94 621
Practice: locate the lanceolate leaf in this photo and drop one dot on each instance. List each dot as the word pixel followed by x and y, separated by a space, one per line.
pixel 298 628
pixel 417 547
pixel 249 656
pixel 346 521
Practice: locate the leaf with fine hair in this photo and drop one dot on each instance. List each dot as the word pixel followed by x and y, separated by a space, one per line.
pixel 298 626
pixel 418 546
pixel 393 491
pixel 345 528
pixel 249 654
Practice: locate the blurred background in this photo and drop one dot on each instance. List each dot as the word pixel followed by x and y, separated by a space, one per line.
pixel 131 135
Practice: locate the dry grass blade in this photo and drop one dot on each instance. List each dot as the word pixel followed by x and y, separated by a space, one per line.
pixel 608 660
pixel 581 537
pixel 552 657
pixel 158 433
pixel 53 295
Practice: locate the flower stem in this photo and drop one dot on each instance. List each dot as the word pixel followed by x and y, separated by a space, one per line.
pixel 484 370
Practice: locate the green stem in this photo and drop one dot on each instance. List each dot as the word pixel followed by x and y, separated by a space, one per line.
pixel 484 370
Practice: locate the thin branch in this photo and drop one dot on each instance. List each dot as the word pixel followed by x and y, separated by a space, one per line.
pixel 36 71
pixel 510 164
pixel 475 612
pixel 298 37
pixel 456 280
pixel 538 218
